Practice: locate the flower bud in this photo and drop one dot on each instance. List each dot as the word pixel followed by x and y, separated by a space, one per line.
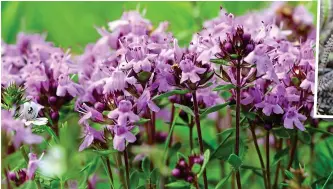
pixel 246 37
pixel 249 48
pixel 228 47
pixel 268 126
pixel 54 116
pixel 99 106
pixel 189 179
pixel 12 175
pixel 175 172
pixel 52 100
pixel 182 163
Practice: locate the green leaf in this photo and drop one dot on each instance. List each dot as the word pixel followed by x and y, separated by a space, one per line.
pixel 154 176
pixel 196 168
pixel 250 167
pixel 281 132
pixel 224 87
pixel 180 155
pixel 224 151
pixel 250 115
pixel 316 130
pixel 226 133
pixel 328 179
pixel 105 152
pixel 280 154
pixel 171 93
pixel 289 174
pixel 134 179
pixel 234 56
pixel 142 121
pixel 223 181
pixel 28 185
pixel 144 76
pixel 135 130
pixel 53 135
pixel 178 184
pixel 220 61
pixel 305 137
pixel 214 109
pixel 204 164
pixel 170 134
pixel 146 166
pixel 235 161
pixel 174 149
pixel 185 109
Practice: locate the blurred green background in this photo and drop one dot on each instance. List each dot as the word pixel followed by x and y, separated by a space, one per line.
pixel 71 24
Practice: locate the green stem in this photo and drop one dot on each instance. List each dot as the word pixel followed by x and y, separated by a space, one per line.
pixel 275 186
pixel 261 160
pixel 127 168
pixel 121 171
pixel 267 162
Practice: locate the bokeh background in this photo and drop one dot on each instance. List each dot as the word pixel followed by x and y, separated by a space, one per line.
pixel 72 24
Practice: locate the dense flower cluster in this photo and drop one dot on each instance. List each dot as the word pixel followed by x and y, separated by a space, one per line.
pixel 120 73
pixel 277 75
pixel 264 60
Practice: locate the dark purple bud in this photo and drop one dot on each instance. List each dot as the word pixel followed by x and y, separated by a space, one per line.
pixel 54 85
pixel 249 48
pixel 268 126
pixel 189 179
pixel 55 116
pixel 228 47
pixel 99 106
pixel 246 37
pixel 52 100
pixel 37 98
pixel 12 175
pixel 176 172
pixel 22 174
pixel 160 137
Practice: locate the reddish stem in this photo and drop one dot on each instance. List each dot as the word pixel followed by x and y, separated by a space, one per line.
pixel 197 122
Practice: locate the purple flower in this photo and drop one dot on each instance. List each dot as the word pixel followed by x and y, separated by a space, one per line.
pixel 90 134
pixel 208 97
pixel 124 113
pixel 8 123
pixel 190 71
pixel 302 15
pixel 66 85
pixel 25 135
pixel 122 135
pixel 263 63
pixel 293 118
pixel 253 95
pixel 308 83
pixel 33 165
pixel 90 113
pixel 270 105
pixel 145 101
pixel 118 82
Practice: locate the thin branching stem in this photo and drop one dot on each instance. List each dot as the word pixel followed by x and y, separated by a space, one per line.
pixel 261 160
pixel 267 162
pixel 127 167
pixel 238 90
pixel 197 122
